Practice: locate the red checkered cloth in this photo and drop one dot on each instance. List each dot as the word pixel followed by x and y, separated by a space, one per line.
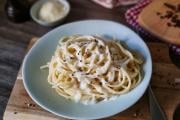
pixel 132 14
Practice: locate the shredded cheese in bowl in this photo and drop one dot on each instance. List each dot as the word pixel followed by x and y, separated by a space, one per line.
pixel 51 11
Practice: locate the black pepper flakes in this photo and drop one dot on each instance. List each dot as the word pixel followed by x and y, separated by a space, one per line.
pixel 29 104
pixel 96 41
pixel 80 69
pixel 173 85
pixel 162 17
pixel 174 18
pixel 172 13
pixel 170 6
pixel 169 24
pixel 176 83
pixel 169 14
pixel 15 112
pixel 177 24
pixel 33 105
pixel 100 46
pixel 158 13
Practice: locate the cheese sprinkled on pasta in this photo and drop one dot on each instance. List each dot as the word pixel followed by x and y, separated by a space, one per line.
pixel 90 69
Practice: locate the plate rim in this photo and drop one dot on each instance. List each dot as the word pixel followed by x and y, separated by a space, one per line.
pixel 73 117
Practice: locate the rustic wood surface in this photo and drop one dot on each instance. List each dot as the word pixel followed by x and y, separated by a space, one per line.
pixel 14 39
pixel 154 23
pixel 163 84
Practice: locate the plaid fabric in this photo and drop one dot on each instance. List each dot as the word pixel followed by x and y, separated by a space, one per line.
pixel 132 14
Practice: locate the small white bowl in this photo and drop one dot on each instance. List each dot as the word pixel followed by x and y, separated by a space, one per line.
pixel 34 12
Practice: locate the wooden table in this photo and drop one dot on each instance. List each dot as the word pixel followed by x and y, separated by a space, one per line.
pixel 14 39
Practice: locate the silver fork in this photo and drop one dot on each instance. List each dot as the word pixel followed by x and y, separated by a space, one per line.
pixel 155 109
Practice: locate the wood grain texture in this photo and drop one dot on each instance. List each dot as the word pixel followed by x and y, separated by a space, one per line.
pixel 20 111
pixel 163 84
pixel 11 55
pixel 149 19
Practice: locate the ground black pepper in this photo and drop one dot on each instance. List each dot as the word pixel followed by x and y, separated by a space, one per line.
pixel 158 13
pixel 172 13
pixel 169 24
pixel 169 14
pixel 172 7
pixel 101 46
pixel 15 112
pixel 162 17
pixel 96 41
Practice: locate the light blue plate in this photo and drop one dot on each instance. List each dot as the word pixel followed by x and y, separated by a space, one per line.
pixel 35 80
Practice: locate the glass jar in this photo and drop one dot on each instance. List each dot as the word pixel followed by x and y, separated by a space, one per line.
pixel 174 53
pixel 17 10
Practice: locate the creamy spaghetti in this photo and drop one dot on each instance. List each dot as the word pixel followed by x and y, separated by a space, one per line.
pixel 90 69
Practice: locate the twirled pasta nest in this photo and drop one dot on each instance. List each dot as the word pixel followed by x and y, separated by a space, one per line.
pixel 89 69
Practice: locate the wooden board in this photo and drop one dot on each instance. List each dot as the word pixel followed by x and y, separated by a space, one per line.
pixel 151 19
pixel 21 106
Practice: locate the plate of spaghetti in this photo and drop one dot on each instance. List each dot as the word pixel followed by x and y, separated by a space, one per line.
pixel 87 70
